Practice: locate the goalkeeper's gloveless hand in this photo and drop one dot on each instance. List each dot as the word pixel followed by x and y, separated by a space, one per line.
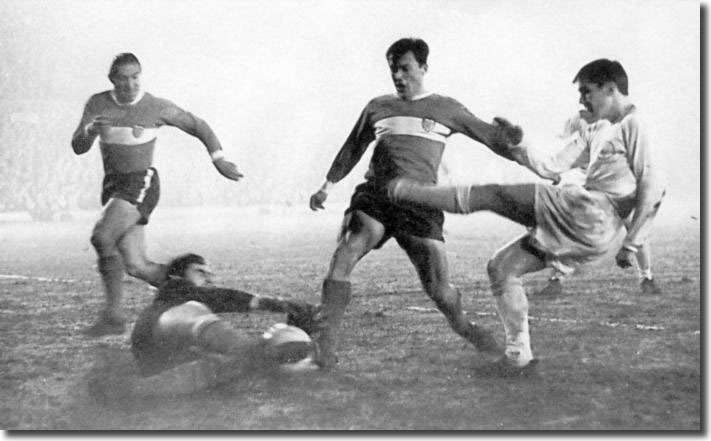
pixel 227 169
pixel 303 315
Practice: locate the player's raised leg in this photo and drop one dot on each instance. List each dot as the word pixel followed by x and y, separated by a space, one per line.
pixel 515 201
pixel 361 234
pixel 117 217
pixel 430 260
pixel 505 270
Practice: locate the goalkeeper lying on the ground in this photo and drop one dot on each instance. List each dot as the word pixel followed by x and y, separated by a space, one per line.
pixel 182 346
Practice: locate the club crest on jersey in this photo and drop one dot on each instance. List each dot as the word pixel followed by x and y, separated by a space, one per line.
pixel 138 131
pixel 428 125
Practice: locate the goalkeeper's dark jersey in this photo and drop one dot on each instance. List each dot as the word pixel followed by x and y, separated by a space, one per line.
pixel 154 354
pixel 409 137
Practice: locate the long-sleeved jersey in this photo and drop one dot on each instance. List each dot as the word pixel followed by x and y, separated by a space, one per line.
pixel 409 136
pixel 618 161
pixel 127 145
pixel 156 353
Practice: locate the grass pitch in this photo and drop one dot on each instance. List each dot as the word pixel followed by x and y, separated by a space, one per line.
pixel 611 358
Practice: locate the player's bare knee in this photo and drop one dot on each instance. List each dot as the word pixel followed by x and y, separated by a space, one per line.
pixel 366 230
pixel 343 262
pixel 186 321
pixel 101 240
pixel 508 284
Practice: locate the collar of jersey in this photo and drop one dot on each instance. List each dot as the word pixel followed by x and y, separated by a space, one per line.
pixel 417 97
pixel 137 99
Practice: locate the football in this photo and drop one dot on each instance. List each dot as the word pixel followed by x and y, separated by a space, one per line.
pixel 287 344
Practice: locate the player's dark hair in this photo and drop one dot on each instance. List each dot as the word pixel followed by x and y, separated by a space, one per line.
pixel 120 60
pixel 418 47
pixel 602 71
pixel 177 266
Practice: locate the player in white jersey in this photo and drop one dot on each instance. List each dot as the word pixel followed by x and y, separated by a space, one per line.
pixel 568 224
pixel 554 286
pixel 126 121
pixel 409 131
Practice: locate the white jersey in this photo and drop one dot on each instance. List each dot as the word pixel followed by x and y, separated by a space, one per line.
pixel 617 160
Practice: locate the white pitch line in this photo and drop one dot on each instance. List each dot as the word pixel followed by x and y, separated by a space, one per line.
pixel 39 279
pixel 552 319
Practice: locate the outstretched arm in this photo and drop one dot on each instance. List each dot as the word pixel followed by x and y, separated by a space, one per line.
pixel 219 300
pixel 349 155
pixel 572 151
pixel 197 127
pixel 299 313
pixel 497 136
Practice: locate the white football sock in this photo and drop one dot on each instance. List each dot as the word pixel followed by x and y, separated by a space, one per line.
pixel 512 306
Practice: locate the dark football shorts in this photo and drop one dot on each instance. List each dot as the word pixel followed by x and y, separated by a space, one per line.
pixel 401 219
pixel 141 188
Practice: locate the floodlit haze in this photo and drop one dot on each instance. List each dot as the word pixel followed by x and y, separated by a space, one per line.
pixel 282 82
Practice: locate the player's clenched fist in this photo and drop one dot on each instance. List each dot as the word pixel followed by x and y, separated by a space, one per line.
pixel 508 133
pixel 506 136
pixel 98 123
pixel 317 200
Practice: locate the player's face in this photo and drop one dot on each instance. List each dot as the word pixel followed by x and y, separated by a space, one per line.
pixel 199 274
pixel 127 82
pixel 407 75
pixel 597 100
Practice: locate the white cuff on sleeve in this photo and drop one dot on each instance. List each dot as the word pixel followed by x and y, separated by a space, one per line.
pixel 327 186
pixel 217 155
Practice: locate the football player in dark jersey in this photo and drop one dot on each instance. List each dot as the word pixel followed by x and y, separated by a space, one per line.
pixel 126 121
pixel 181 345
pixel 409 130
